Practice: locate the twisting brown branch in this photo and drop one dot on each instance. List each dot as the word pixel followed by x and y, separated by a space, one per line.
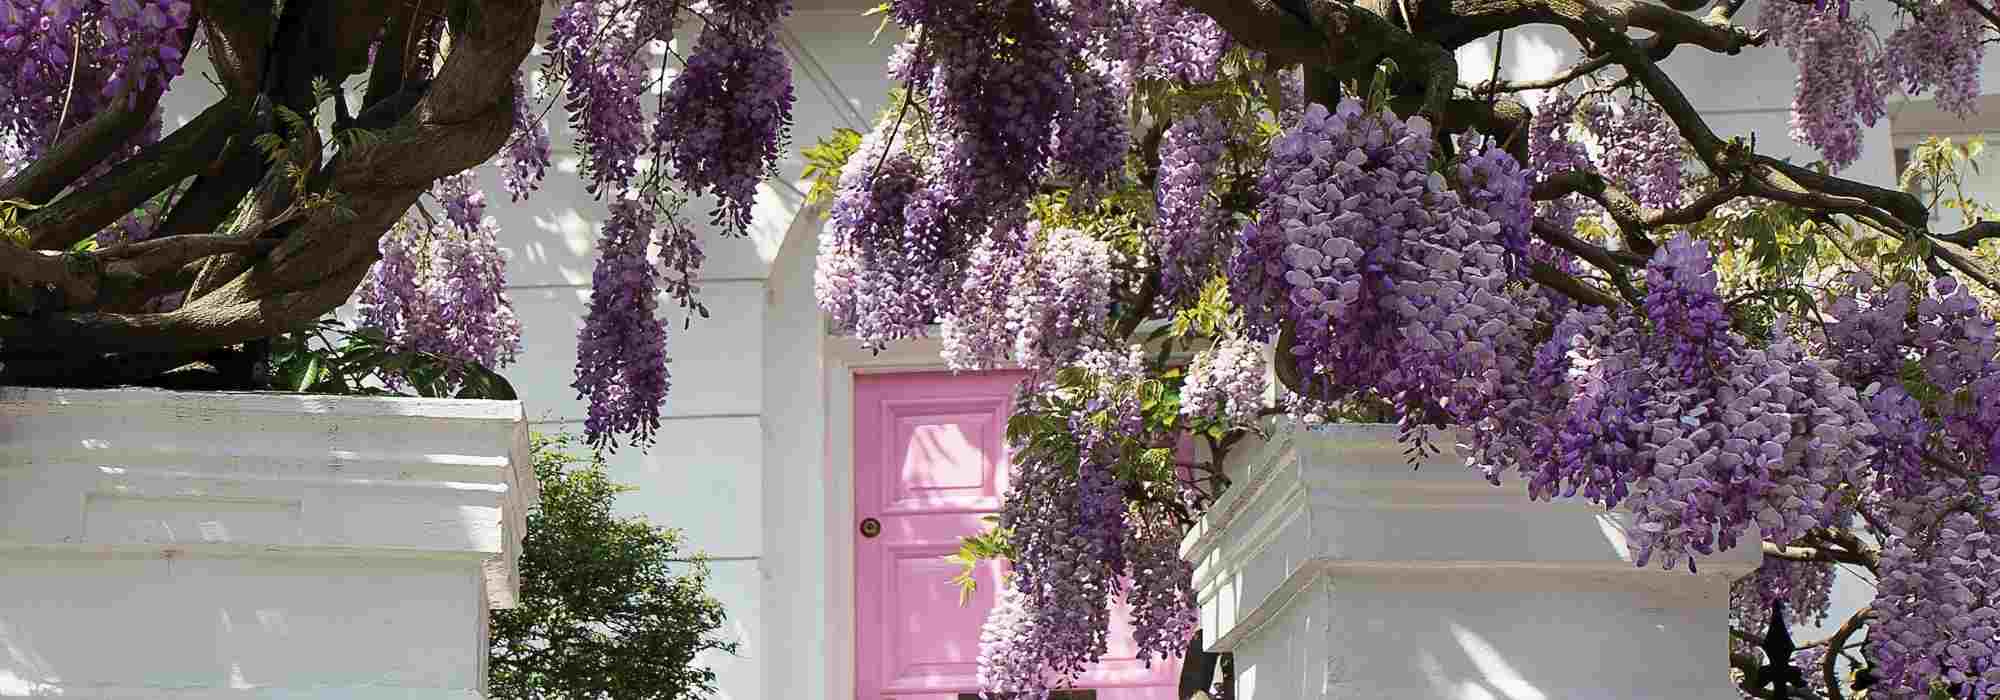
pixel 181 154
pixel 1835 644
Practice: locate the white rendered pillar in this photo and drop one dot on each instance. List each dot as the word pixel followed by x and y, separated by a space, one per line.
pixel 159 544
pixel 1332 570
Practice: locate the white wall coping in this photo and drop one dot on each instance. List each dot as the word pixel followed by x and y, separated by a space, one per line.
pixel 113 473
pixel 1338 501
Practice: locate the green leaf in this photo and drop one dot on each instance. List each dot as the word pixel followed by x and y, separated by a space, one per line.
pixel 310 375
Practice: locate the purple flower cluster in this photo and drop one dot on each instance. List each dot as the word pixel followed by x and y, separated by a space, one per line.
pixel 442 288
pixel 1175 43
pixel 1552 150
pixel 1187 238
pixel 1390 281
pixel 1090 139
pixel 621 351
pixel 976 334
pixel 1962 358
pixel 1227 382
pixel 1939 50
pixel 1937 602
pixel 1074 535
pixel 525 158
pixel 1059 308
pixel 1069 593
pixel 1641 150
pixel 880 277
pixel 1489 179
pixel 1161 594
pixel 1841 81
pixel 597 49
pixel 1012 663
pixel 727 113
pixel 1695 432
pixel 994 107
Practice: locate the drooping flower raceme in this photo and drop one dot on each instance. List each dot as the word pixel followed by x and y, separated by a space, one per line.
pixel 525 158
pixel 1187 238
pixel 727 113
pixel 1227 382
pixel 977 334
pixel 1641 150
pixel 442 289
pixel 1176 43
pixel 621 358
pixel 1389 281
pixel 880 277
pixel 1840 87
pixel 1059 308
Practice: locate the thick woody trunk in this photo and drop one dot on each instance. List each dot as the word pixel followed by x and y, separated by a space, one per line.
pixel 282 261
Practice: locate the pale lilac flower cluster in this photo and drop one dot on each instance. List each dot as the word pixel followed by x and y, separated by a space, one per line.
pixel 1227 382
pixel 1187 238
pixel 473 319
pixel 1391 282
pixel 388 295
pixel 725 116
pixel 879 277
pixel 1176 43
pixel 525 158
pixel 442 288
pixel 1161 594
pixel 1641 150
pixel 621 351
pixel 1012 663
pixel 976 334
pixel 1939 50
pixel 1937 601
pixel 1841 83
pixel 1059 308
pixel 1552 150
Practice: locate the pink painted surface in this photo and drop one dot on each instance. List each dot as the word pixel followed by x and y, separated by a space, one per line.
pixel 929 462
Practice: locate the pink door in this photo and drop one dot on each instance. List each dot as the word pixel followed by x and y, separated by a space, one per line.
pixel 929 461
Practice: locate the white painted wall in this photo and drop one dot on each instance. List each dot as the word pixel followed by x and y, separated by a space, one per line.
pixel 350 549
pixel 1331 569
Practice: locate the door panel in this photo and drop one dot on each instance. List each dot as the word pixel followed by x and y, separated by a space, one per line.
pixel 930 462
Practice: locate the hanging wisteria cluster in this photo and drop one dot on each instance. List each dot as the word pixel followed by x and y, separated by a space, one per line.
pixel 1847 75
pixel 1189 238
pixel 718 124
pixel 1226 381
pixel 441 285
pixel 1077 541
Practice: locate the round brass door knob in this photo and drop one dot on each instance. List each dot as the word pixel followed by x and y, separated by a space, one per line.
pixel 870 527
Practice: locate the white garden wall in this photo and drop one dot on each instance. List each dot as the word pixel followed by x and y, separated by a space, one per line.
pixel 1332 569
pixel 234 545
